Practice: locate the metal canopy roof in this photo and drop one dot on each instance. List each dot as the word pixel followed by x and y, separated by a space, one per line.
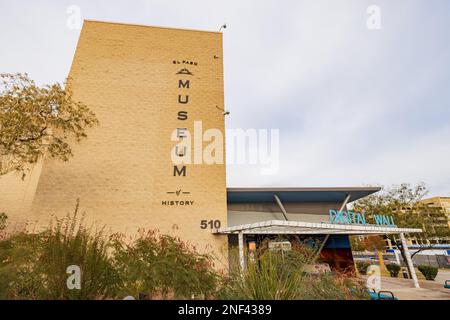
pixel 289 195
pixel 298 227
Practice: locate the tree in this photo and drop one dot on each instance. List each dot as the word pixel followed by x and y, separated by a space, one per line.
pixel 375 243
pixel 37 120
pixel 367 243
pixel 403 203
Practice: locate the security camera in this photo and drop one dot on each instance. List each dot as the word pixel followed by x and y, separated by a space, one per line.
pixel 223 27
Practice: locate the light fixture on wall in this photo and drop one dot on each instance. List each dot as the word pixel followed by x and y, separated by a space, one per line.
pixel 224 112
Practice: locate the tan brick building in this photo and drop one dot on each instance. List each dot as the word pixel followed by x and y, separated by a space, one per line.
pixel 142 83
pixel 442 203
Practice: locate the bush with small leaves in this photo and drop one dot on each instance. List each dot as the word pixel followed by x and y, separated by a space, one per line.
pixel 362 266
pixel 163 267
pixel 34 266
pixel 429 272
pixel 393 269
pixel 282 275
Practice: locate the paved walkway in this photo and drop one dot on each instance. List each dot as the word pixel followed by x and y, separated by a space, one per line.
pixel 429 290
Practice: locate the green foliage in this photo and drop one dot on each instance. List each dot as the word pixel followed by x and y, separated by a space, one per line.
pixel 71 243
pixel 3 219
pixel 333 287
pixel 393 269
pixel 429 272
pixel 362 266
pixel 368 243
pixel 38 120
pixel 403 203
pixel 17 262
pixel 266 278
pixel 34 266
pixel 162 266
pixel 278 275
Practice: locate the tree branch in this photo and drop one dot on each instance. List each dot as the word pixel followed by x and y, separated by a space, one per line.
pixel 41 134
pixel 430 247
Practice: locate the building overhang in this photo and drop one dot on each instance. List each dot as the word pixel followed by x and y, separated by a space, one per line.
pixel 296 195
pixel 299 227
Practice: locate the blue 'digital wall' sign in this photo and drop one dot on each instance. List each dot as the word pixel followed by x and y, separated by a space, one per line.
pixel 350 217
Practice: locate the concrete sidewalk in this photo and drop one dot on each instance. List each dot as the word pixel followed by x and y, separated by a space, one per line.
pixel 429 290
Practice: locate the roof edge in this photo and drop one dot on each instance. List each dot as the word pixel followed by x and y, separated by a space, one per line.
pixel 148 26
pixel 301 189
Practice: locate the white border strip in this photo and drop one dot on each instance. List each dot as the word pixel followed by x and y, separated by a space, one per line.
pixel 285 227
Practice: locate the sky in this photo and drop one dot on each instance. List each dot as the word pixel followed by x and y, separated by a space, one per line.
pixel 355 103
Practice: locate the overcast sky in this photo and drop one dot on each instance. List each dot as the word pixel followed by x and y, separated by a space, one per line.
pixel 353 105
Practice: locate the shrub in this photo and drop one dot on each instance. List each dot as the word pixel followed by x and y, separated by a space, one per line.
pixel 71 243
pixel 3 218
pixel 393 269
pixel 429 272
pixel 278 275
pixel 17 261
pixel 33 266
pixel 268 277
pixel 333 287
pixel 3 223
pixel 164 267
pixel 362 267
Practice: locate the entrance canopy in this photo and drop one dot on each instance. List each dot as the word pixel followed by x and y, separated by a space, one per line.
pixel 299 227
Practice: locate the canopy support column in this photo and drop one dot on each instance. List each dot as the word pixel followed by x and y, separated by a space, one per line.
pixel 346 200
pixel 409 262
pixel 280 204
pixel 241 251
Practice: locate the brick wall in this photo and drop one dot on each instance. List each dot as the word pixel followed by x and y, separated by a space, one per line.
pixel 127 75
